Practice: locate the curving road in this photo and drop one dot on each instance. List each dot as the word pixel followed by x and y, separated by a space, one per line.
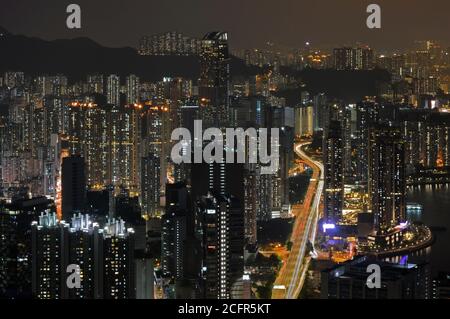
pixel 292 274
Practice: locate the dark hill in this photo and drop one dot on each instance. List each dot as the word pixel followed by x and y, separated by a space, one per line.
pixel 350 86
pixel 3 31
pixel 78 57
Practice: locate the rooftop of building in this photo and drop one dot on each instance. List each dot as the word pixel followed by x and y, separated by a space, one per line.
pixel 357 269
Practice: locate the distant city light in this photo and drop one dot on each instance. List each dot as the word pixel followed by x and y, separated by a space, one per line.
pixel 328 227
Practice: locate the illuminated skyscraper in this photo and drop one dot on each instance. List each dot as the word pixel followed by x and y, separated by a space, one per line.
pixel 223 244
pixel 348 58
pixel 169 43
pixel 150 185
pixel 94 145
pixel 334 172
pixel 348 130
pixel 366 115
pixel 8 255
pixel 15 251
pixel 174 230
pixel 52 85
pixel 220 178
pixel 156 140
pixel 47 238
pixel 187 114
pixel 56 115
pixel 95 83
pixel 132 89
pixel 214 79
pixel 114 145
pixel 88 137
pixel 319 111
pixel 219 192
pixel 124 138
pixel 118 261
pixel 81 247
pixel 343 59
pixel 427 137
pixel 181 253
pixel 251 204
pixel 52 167
pixel 73 185
pixel 304 121
pixel 113 90
pixel 105 257
pixel 387 182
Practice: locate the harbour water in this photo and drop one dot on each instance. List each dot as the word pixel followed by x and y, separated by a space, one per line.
pixel 436 214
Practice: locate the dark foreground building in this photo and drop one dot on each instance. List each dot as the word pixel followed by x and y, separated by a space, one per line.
pixel 398 281
pixel 105 257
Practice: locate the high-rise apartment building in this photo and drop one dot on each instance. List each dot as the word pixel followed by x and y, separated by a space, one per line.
pixel 118 261
pixel 47 240
pixel 223 244
pixel 150 185
pixel 387 182
pixel 96 83
pixel 132 89
pixel 214 79
pixel 398 281
pixel 348 58
pixel 113 90
pixel 73 185
pixel 333 159
pixel 366 116
pixel 88 137
pixel 178 213
pixel 170 43
pixel 104 258
pixel 124 140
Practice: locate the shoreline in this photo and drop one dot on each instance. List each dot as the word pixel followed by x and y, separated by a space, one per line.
pixel 407 250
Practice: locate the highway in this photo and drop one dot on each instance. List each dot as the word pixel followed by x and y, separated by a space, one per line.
pixel 291 277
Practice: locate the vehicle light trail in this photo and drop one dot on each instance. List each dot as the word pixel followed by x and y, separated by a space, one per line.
pixel 292 274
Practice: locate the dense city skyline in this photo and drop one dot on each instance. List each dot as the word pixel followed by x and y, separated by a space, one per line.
pixel 189 168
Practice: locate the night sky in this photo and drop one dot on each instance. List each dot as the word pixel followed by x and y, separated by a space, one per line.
pixel 250 22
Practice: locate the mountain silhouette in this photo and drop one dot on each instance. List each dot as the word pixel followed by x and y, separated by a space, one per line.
pixel 3 31
pixel 81 56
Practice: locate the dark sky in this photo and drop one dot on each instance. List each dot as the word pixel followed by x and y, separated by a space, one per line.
pixel 249 22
